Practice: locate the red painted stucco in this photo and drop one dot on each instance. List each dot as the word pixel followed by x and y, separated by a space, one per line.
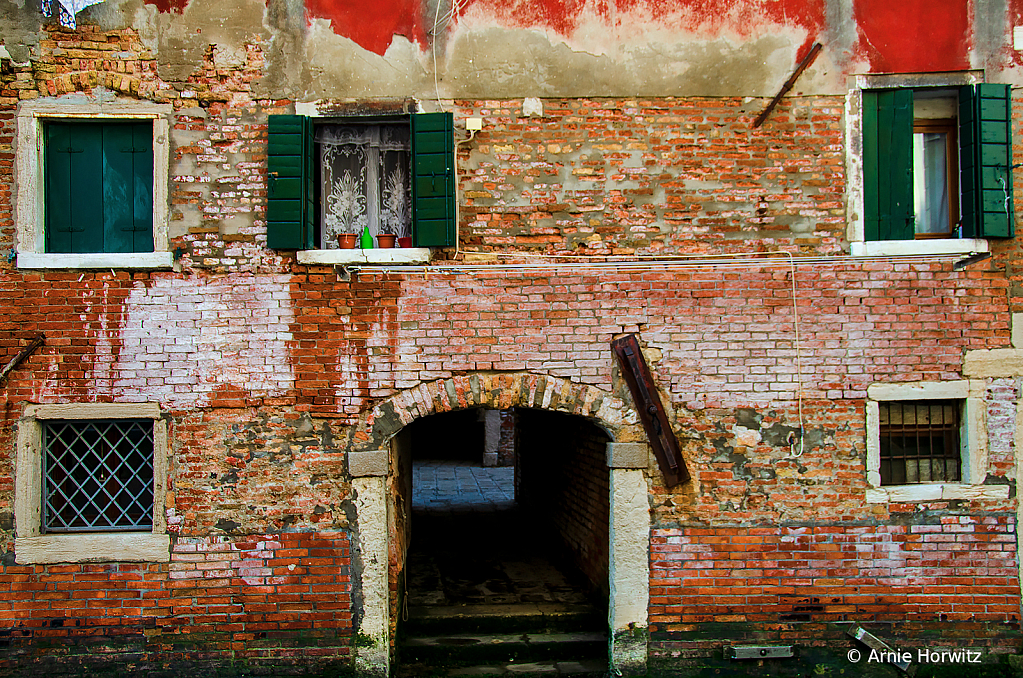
pixel 914 36
pixel 169 5
pixel 371 25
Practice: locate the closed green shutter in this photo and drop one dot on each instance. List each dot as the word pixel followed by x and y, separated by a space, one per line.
pixel 99 187
pixel 985 135
pixel 290 205
pixel 888 164
pixel 433 179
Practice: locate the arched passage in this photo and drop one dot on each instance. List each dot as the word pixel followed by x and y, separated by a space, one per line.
pixel 382 498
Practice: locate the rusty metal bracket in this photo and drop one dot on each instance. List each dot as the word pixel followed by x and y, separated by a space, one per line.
pixel 810 57
pixel 24 353
pixel 651 411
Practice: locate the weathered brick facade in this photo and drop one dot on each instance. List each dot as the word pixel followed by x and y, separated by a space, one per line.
pixel 764 336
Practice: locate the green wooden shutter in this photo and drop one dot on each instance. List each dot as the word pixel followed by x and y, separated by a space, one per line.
pixel 433 179
pixel 128 187
pixel 985 141
pixel 99 187
pixel 74 187
pixel 290 205
pixel 888 164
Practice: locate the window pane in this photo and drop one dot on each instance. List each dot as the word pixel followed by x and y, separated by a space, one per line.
pixel 930 182
pixel 919 441
pixel 97 475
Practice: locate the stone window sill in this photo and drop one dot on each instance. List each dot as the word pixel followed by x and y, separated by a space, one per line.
pixel 935 492
pixel 879 248
pixel 136 547
pixel 143 260
pixel 398 255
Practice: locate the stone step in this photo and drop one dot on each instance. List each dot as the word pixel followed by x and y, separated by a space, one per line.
pixel 450 650
pixel 436 620
pixel 580 668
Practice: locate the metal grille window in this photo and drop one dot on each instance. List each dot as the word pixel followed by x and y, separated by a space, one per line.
pixel 97 475
pixel 919 441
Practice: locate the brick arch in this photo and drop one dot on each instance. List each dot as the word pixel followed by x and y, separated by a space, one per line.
pixel 500 390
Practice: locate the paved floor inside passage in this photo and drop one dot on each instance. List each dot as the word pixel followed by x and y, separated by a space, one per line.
pixel 442 487
pixel 486 590
pixel 471 545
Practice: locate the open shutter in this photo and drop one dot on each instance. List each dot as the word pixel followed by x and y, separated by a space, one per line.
pixel 985 131
pixel 290 204
pixel 433 179
pixel 888 164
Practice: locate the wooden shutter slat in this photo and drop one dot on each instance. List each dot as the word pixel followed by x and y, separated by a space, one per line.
pixel 142 207
pixel 433 179
pixel 118 188
pixel 58 181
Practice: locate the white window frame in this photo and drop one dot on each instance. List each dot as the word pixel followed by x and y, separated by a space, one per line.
pixel 30 217
pixel 31 545
pixel 855 229
pixel 973 443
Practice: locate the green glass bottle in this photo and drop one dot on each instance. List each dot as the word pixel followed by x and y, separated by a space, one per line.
pixel 366 239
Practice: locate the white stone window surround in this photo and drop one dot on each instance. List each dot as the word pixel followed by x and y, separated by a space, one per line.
pixel 30 219
pixel 854 166
pixel 399 255
pixel 33 547
pixel 973 440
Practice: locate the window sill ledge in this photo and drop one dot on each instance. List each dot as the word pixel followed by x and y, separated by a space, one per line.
pixel 147 260
pixel 880 248
pixel 935 492
pixel 134 547
pixel 397 255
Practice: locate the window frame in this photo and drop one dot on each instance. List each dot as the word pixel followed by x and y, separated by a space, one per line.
pixel 30 206
pixel 973 443
pixel 855 205
pixel 950 129
pixel 319 112
pixel 32 545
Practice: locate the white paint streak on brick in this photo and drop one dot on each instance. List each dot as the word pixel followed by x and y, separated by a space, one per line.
pixel 186 338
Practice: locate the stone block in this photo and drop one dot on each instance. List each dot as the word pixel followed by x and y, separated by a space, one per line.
pixel 627 455
pixel 368 463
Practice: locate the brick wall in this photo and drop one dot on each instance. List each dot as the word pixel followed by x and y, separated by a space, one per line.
pixel 269 371
pixel 604 176
pixel 277 599
pixel 563 476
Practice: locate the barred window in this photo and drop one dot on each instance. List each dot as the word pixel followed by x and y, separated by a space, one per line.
pixel 920 441
pixel 97 475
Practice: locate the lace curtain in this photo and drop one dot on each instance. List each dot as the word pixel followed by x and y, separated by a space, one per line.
pixel 365 180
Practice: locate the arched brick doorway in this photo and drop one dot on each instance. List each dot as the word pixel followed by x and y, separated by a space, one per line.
pixel 381 537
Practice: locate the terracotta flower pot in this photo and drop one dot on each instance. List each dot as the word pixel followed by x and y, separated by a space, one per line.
pixel 346 241
pixel 404 242
pixel 386 240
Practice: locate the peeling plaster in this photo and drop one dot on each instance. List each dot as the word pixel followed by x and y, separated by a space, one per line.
pixel 230 24
pixel 337 66
pixel 230 331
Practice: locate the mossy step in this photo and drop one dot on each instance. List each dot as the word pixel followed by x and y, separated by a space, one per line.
pixel 578 668
pixel 468 647
pixel 506 618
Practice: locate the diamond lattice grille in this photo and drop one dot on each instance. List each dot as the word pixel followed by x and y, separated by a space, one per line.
pixel 98 475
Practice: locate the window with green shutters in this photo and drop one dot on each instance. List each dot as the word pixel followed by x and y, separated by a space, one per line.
pixel 936 163
pixel 329 176
pixel 98 186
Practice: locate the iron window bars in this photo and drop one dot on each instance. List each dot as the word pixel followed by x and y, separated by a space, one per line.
pixel 97 475
pixel 919 441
